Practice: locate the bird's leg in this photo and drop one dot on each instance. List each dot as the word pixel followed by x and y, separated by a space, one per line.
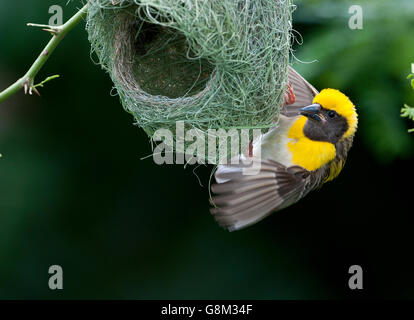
pixel 289 95
pixel 251 148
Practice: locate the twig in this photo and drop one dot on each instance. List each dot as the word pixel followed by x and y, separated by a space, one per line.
pixel 58 33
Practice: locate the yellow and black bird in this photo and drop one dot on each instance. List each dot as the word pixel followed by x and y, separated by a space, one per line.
pixel 306 148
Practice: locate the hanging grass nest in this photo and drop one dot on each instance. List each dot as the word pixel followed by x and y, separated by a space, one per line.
pixel 210 63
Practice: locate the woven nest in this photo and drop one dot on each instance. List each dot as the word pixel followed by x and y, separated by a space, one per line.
pixel 210 63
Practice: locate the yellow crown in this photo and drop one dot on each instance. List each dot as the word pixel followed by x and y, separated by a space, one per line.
pixel 335 100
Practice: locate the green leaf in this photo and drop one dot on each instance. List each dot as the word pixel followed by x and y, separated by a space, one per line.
pixel 407 111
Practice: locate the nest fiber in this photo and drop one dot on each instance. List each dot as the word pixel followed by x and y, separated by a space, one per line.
pixel 210 63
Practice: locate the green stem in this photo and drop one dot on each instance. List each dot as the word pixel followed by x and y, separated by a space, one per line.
pixel 59 33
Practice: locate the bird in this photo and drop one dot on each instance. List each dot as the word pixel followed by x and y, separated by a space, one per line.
pixel 306 148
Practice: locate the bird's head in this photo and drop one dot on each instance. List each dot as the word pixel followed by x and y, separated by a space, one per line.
pixel 331 117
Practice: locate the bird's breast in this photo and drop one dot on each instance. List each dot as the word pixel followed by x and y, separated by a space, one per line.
pixel 310 154
pixel 287 144
pixel 307 153
pixel 274 144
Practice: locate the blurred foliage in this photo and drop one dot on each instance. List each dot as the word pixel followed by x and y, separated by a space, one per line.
pixel 368 65
pixel 74 192
pixel 407 111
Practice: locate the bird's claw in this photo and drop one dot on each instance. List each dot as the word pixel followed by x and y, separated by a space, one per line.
pixel 289 95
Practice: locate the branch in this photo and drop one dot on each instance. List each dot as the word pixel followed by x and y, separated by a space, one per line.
pixel 58 33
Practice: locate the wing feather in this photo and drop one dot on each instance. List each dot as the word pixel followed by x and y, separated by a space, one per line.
pixel 304 93
pixel 246 199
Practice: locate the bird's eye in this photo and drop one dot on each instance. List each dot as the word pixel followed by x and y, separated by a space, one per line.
pixel 332 114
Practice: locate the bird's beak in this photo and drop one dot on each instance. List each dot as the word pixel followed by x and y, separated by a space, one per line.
pixel 312 111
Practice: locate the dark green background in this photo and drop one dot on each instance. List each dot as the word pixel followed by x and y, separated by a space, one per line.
pixel 75 192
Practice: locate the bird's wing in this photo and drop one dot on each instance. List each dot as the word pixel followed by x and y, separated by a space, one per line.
pixel 304 93
pixel 243 200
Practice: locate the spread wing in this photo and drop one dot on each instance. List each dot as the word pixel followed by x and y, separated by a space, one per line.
pixel 242 200
pixel 304 93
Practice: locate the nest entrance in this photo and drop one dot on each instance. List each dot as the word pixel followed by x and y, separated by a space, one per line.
pixel 164 64
pixel 216 64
